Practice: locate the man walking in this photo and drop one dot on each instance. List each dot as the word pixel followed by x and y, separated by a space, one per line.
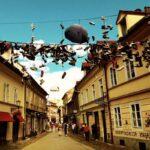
pixel 87 132
pixel 65 128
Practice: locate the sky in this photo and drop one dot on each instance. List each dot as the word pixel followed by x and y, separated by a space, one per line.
pixel 16 17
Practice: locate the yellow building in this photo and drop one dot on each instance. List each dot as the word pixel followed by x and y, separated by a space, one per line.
pixel 124 113
pixel 36 109
pixel 92 100
pixel 52 112
pixel 11 102
pixel 22 102
pixel 129 85
pixel 71 107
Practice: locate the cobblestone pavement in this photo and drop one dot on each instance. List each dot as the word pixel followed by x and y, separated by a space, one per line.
pixel 53 141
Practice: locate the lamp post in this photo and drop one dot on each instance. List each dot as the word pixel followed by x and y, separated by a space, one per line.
pixel 18 103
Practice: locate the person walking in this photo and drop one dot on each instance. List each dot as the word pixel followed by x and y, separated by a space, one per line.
pixel 87 132
pixel 73 126
pixel 65 128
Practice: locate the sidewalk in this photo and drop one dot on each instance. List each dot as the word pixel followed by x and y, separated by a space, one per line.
pixel 22 143
pixel 97 144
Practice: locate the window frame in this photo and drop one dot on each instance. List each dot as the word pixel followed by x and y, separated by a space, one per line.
pixel 6 87
pixel 112 76
pixel 137 124
pixel 129 73
pixel 101 88
pixel 93 92
pixel 86 95
pixel 15 95
pixel 118 122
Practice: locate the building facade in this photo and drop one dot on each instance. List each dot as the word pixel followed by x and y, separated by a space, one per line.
pixel 11 102
pixel 22 102
pixel 123 107
pixel 36 109
pixel 52 112
pixel 93 102
pixel 129 85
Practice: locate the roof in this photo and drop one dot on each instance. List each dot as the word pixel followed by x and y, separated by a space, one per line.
pixel 11 67
pixel 129 12
pixel 142 26
pixel 34 83
pixel 86 75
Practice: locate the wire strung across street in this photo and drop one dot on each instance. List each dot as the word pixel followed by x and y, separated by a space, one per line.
pixel 55 21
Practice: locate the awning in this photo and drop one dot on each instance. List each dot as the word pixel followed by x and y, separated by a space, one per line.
pixel 5 116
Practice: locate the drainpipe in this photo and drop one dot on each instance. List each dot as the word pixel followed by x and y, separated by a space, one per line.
pixel 24 124
pixel 108 103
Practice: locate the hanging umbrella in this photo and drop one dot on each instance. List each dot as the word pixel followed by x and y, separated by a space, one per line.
pixel 77 34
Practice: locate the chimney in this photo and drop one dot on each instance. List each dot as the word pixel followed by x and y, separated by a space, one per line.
pixel 147 10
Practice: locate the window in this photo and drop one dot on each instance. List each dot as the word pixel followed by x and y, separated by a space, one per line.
pixel 15 95
pixel 130 69
pixel 81 98
pixel 93 90
pixel 6 92
pixel 113 76
pixel 118 117
pixel 136 116
pixel 101 88
pixel 28 94
pixel 86 95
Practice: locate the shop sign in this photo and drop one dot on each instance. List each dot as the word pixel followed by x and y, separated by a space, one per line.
pixel 143 135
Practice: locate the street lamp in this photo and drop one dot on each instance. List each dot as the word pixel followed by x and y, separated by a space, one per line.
pixel 18 103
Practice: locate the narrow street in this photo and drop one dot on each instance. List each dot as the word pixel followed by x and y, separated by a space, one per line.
pixel 53 141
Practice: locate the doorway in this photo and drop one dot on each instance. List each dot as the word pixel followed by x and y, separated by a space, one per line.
pixel 3 131
pixel 96 117
pixel 15 128
pixel 104 125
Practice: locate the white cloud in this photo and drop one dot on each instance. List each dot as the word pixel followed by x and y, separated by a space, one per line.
pixel 55 80
pixel 38 43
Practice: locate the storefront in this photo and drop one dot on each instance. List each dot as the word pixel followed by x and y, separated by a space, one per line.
pixel 5 118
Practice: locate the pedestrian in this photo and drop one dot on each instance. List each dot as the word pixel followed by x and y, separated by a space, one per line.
pixel 65 128
pixel 82 129
pixel 48 126
pixel 87 132
pixel 73 126
pixel 59 129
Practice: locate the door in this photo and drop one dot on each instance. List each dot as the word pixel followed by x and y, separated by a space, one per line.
pixel 96 116
pixel 104 125
pixel 15 128
pixel 3 131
